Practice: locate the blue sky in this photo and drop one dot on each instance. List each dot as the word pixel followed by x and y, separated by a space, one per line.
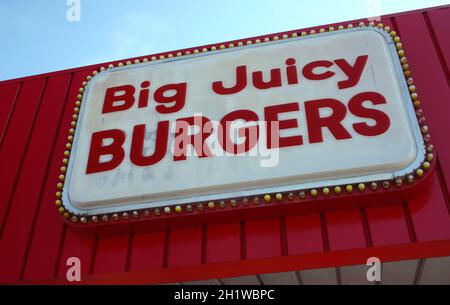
pixel 37 37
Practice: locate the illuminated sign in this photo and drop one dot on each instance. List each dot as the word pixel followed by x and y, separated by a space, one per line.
pixel 324 113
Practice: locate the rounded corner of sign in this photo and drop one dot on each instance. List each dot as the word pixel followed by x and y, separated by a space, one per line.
pixel 72 205
pixel 378 32
pixel 409 161
pixel 413 158
pixel 423 184
pixel 417 172
pixel 97 77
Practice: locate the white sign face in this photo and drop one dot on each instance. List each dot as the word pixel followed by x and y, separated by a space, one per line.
pixel 329 109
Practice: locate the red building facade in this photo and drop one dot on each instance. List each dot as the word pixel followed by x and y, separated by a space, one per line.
pixel 412 239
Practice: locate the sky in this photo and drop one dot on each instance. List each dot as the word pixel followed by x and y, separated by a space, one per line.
pixel 38 37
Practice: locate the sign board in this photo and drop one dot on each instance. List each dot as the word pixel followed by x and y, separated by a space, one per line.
pixel 304 113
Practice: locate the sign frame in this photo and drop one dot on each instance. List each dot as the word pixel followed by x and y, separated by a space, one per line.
pixel 399 184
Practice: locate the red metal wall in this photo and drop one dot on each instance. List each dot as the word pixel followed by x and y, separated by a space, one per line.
pixel 35 114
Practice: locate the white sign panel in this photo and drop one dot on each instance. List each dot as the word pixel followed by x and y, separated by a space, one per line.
pixel 299 113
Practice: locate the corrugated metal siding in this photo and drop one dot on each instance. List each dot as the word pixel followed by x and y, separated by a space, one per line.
pixel 35 115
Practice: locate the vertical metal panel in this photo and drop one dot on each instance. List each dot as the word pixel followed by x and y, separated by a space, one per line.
pixel 430 215
pixel 440 27
pixel 185 247
pixel 263 239
pixel 27 192
pixel 15 143
pixel 223 243
pixel 304 234
pixel 111 254
pixel 80 246
pixel 345 230
pixel 8 96
pixel 148 250
pixel 47 235
pixel 34 174
pixel 388 225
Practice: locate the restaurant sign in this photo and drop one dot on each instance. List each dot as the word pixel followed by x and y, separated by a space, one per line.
pixel 289 118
